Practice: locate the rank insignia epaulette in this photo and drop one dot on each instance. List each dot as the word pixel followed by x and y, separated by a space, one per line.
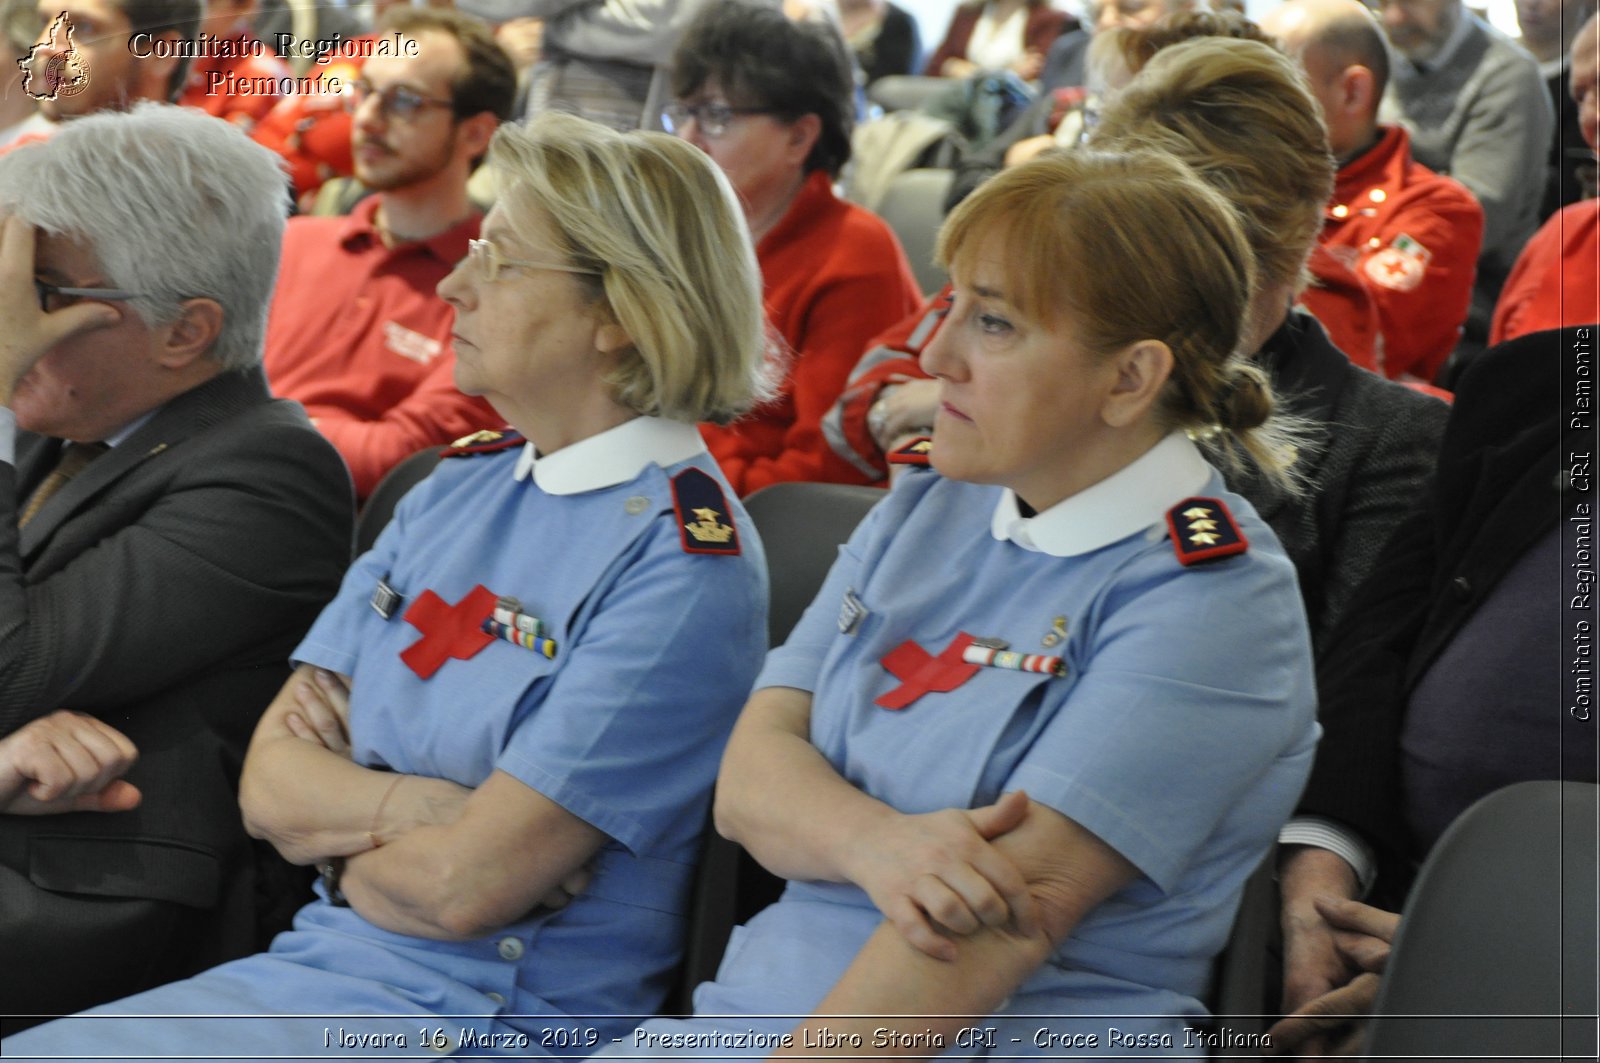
pixel 484 441
pixel 916 452
pixel 704 524
pixel 1203 530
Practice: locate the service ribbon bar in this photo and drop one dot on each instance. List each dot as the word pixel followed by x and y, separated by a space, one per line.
pixel 989 657
pixel 526 639
pixel 508 612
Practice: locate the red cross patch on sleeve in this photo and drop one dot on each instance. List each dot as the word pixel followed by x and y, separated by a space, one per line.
pixel 1203 530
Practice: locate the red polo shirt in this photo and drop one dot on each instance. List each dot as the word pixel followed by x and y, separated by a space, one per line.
pixel 358 336
pixel 834 277
pixel 1412 236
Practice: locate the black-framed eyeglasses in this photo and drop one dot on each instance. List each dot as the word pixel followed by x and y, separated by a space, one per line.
pixel 53 297
pixel 396 101
pixel 712 118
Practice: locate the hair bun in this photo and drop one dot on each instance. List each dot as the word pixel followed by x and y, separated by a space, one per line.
pixel 1246 399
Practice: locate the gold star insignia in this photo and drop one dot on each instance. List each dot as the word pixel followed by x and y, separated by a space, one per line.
pixel 922 447
pixel 1203 525
pixel 1204 538
pixel 709 516
pixel 1197 513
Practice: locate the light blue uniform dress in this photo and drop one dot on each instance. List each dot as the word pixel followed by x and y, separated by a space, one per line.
pixel 1181 735
pixel 656 648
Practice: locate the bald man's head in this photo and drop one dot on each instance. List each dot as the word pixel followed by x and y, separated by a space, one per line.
pixel 1342 48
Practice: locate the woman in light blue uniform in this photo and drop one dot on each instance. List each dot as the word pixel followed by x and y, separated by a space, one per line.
pixel 503 732
pixel 1054 700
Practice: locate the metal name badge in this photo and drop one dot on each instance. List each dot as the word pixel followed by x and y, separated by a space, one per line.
pixel 385 600
pixel 851 613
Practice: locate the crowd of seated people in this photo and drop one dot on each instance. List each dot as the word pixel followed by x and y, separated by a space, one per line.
pixel 1185 561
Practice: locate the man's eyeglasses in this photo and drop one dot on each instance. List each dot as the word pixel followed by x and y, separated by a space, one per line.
pixel 712 118
pixel 396 101
pixel 53 297
pixel 485 257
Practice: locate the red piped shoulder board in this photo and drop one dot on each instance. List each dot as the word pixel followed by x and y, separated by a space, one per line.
pixel 1203 530
pixel 485 441
pixel 704 525
pixel 915 452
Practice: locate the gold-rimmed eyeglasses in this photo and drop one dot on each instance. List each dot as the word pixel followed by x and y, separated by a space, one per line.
pixel 486 258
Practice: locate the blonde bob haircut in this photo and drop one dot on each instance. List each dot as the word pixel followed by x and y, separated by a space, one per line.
pixel 657 223
pixel 1240 113
pixel 1119 248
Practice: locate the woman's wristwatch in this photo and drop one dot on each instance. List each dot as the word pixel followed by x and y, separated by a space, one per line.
pixel 330 871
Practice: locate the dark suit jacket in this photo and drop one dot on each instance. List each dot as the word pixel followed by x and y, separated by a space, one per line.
pixel 161 590
pixel 1498 490
pixel 1368 456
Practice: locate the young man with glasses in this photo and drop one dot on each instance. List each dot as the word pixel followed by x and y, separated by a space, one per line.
pixel 356 332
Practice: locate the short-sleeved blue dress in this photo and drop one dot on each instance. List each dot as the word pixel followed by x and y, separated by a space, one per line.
pixel 656 646
pixel 1181 734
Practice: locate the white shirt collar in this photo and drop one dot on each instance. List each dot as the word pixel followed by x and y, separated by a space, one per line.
pixel 120 436
pixel 1130 500
pixel 613 457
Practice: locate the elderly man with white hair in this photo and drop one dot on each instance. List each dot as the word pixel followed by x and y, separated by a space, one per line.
pixel 167 532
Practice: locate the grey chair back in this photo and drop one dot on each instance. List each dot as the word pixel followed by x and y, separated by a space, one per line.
pixel 802 526
pixel 913 206
pixel 904 92
pixel 1495 957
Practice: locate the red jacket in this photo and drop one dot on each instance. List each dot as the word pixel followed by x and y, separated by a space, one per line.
pixel 1343 303
pixel 311 130
pixel 894 353
pixel 226 88
pixel 1412 236
pixel 834 277
pixel 1556 281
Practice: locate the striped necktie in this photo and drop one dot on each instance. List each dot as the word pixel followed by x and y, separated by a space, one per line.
pixel 75 457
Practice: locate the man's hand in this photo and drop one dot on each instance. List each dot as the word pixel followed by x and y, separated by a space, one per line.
pixel 66 762
pixel 27 333
pixel 1312 962
pixel 1331 1026
pixel 936 872
pixel 1324 1026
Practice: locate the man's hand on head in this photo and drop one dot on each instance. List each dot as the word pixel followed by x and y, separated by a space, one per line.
pixel 27 332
